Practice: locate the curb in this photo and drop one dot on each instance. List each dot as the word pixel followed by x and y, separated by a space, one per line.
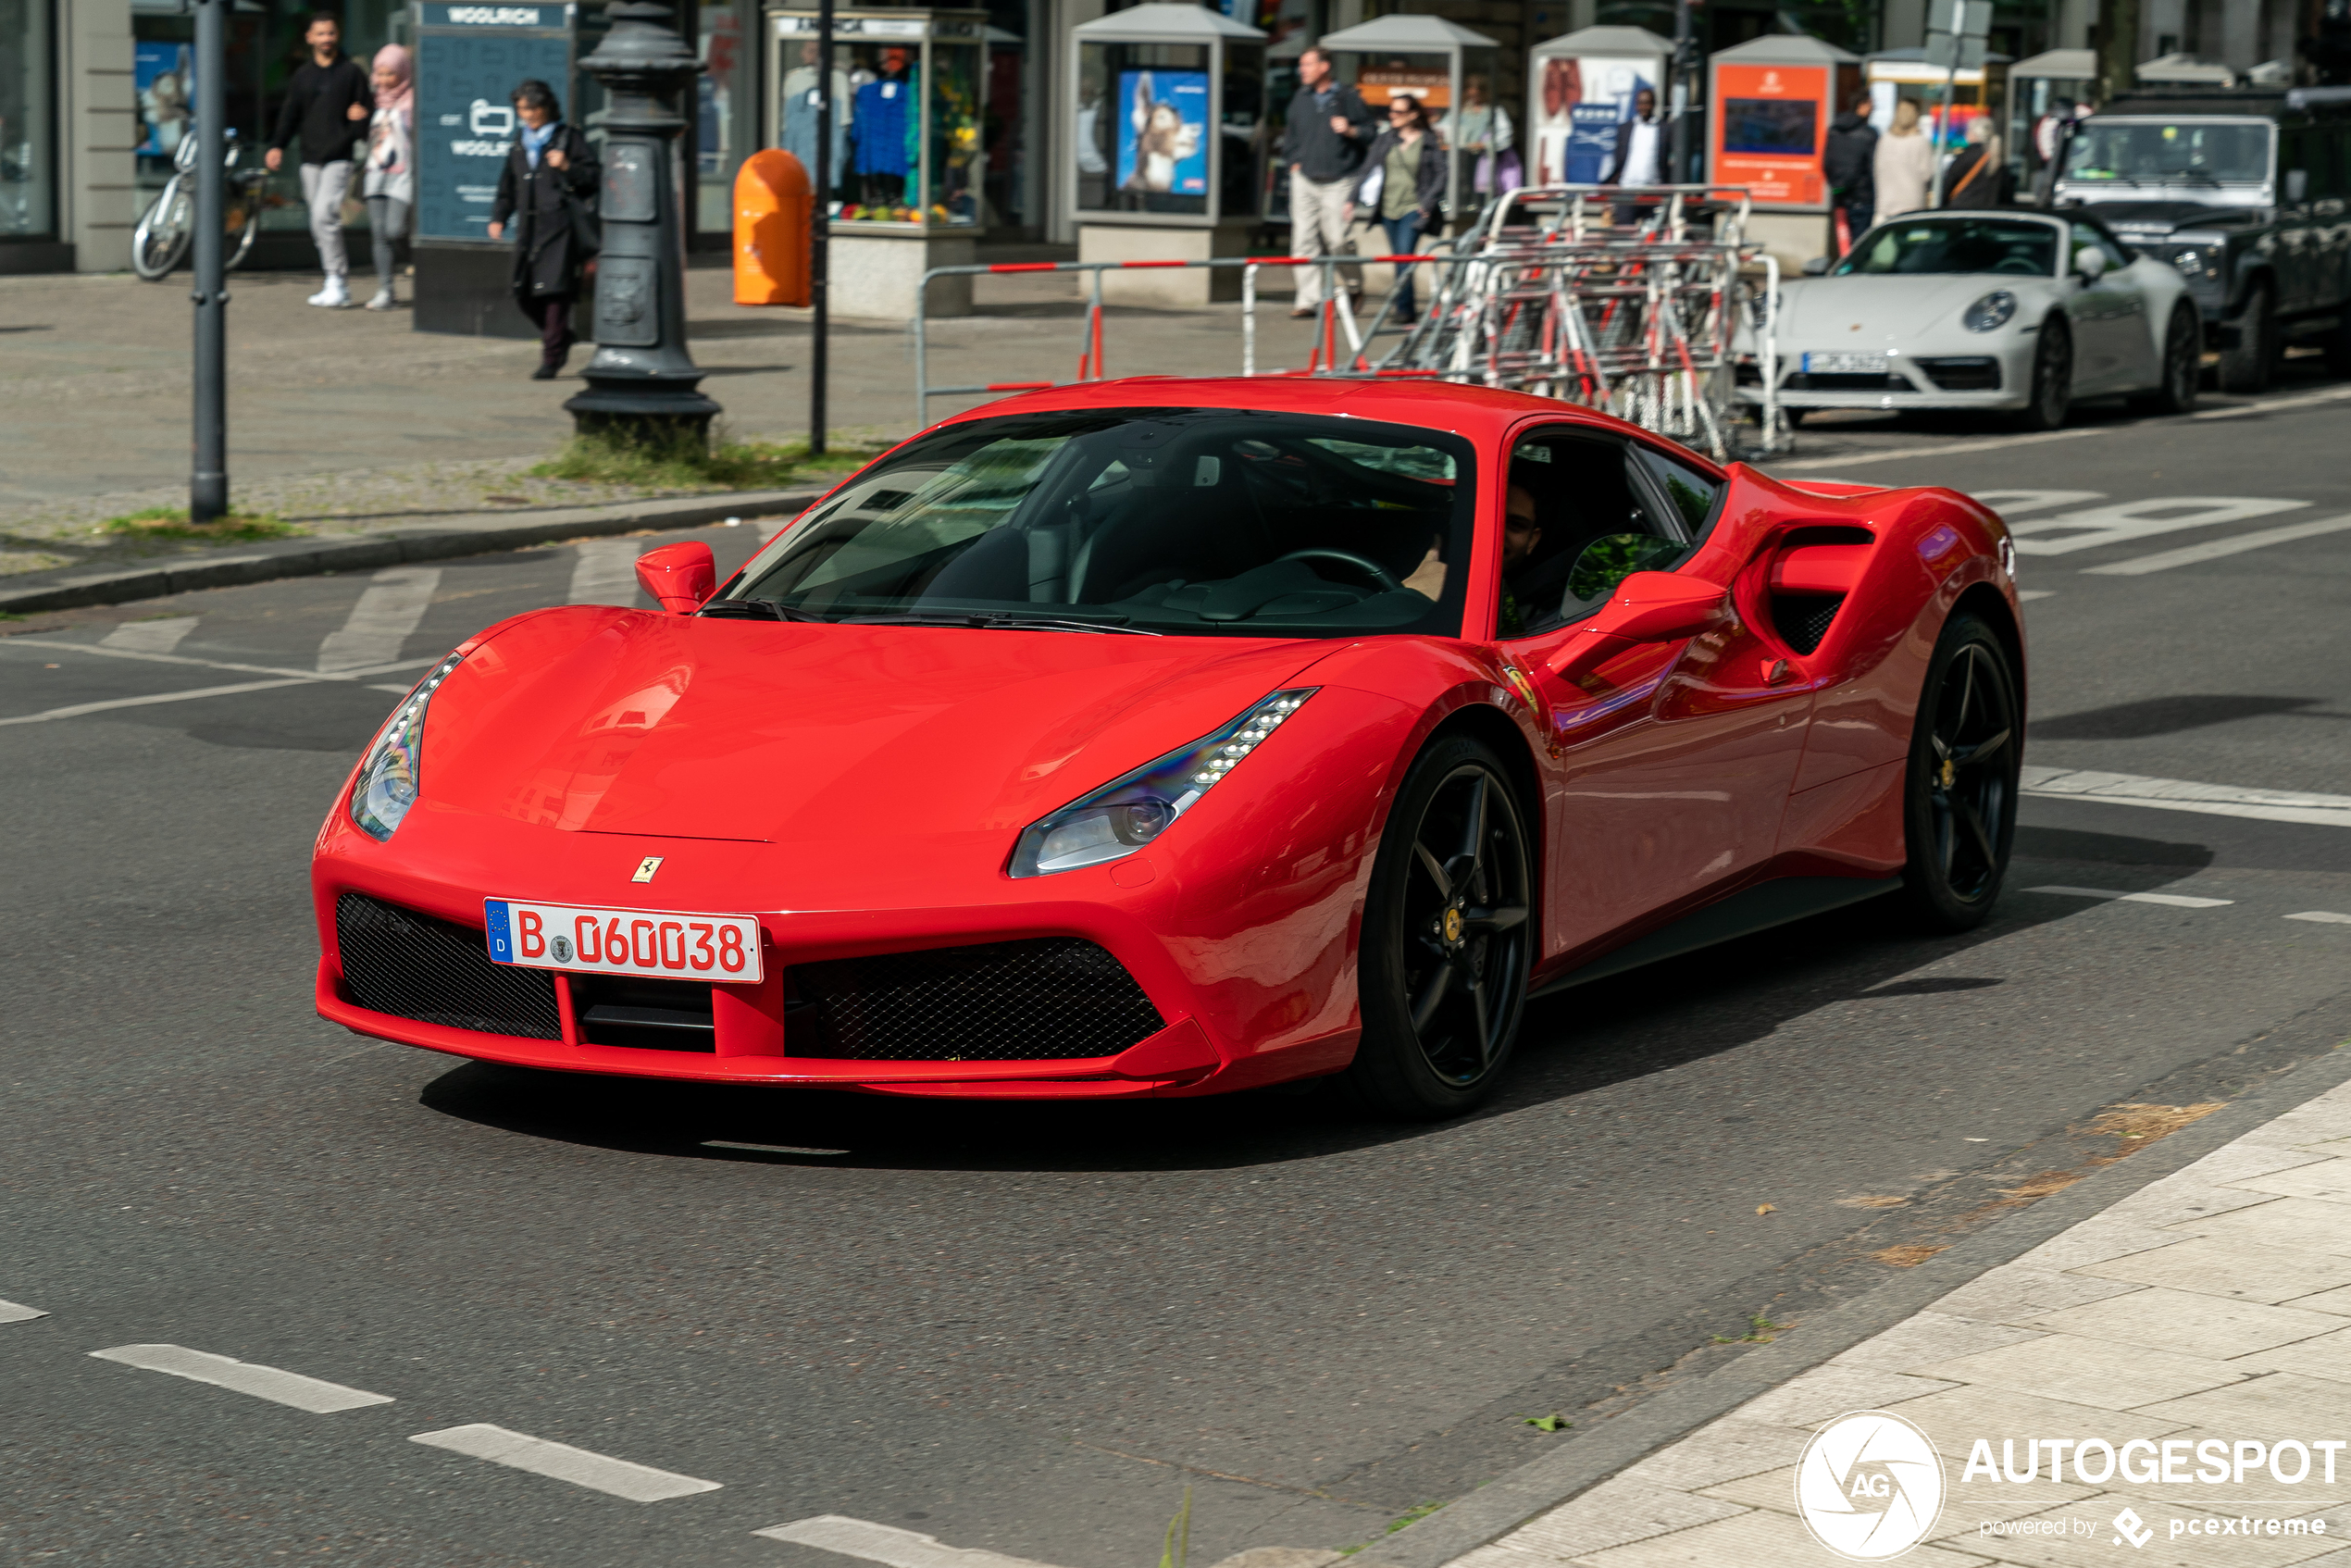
pixel 1511 1500
pixel 300 559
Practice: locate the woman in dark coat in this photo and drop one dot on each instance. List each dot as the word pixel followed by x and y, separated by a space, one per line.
pixel 550 179
pixel 1402 188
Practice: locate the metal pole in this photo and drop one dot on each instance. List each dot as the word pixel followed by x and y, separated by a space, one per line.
pixel 1683 46
pixel 1950 86
pixel 821 229
pixel 209 480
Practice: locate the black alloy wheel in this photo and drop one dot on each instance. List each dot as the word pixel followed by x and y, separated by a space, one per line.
pixel 1966 751
pixel 1447 938
pixel 2247 367
pixel 2052 378
pixel 2182 364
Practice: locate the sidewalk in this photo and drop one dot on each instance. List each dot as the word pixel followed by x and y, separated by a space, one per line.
pixel 2211 1304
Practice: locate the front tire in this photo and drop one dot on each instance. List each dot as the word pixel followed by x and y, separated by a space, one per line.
pixel 2247 367
pixel 2052 378
pixel 1967 746
pixel 163 234
pixel 2182 364
pixel 1447 938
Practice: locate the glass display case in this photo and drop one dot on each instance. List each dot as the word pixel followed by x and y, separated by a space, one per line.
pixel 1445 65
pixel 1581 89
pixel 909 89
pixel 1169 125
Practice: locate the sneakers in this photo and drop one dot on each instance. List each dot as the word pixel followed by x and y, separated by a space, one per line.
pixel 336 296
pixel 383 300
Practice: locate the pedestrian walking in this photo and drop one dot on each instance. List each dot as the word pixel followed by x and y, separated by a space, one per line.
pixel 328 104
pixel 1850 167
pixel 551 176
pixel 1325 144
pixel 1403 186
pixel 1902 167
pixel 389 178
pixel 1975 177
pixel 1638 158
pixel 1483 132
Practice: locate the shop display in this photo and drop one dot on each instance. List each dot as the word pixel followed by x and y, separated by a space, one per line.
pixel 908 94
pixel 1581 88
pixel 1169 118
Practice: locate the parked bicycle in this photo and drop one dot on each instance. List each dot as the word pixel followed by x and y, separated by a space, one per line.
pixel 168 226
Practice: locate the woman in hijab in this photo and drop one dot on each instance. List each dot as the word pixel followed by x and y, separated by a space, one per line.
pixel 390 184
pixel 1903 166
pixel 550 175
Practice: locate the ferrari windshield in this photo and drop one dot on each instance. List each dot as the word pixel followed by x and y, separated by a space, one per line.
pixel 2154 151
pixel 2016 246
pixel 1190 520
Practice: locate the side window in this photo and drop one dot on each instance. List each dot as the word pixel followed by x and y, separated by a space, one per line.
pixel 1580 519
pixel 1690 493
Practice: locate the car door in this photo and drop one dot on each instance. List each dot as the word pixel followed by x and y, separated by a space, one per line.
pixel 1677 757
pixel 2109 316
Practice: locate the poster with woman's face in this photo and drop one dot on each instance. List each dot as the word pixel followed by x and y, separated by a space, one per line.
pixel 1162 132
pixel 160 75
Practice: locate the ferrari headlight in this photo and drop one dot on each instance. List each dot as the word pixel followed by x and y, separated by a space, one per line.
pixel 1994 310
pixel 394 766
pixel 1126 814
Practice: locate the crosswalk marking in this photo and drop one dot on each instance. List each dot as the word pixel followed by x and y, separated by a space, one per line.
pixel 2322 917
pixel 637 1483
pixel 2121 522
pixel 2213 548
pixel 2176 901
pixel 395 601
pixel 2015 503
pixel 11 1313
pixel 313 1394
pixel 151 637
pixel 2182 794
pixel 886 1543
pixel 605 572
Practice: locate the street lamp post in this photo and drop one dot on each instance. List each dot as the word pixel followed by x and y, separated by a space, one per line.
pixel 208 475
pixel 643 384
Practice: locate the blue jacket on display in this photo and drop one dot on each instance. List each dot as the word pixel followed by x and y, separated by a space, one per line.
pixel 880 123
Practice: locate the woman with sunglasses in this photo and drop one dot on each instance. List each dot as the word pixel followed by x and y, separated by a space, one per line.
pixel 1403 185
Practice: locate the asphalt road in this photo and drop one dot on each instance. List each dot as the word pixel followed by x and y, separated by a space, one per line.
pixel 1033 1329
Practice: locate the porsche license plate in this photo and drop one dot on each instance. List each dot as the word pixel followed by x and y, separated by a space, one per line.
pixel 664 944
pixel 1845 361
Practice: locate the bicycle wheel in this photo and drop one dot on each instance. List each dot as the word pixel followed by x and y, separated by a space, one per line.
pixel 243 223
pixel 163 234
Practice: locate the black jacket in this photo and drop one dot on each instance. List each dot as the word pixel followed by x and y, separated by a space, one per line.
pixel 318 104
pixel 1321 154
pixel 1428 176
pixel 1851 163
pixel 1613 173
pixel 1972 180
pixel 549 248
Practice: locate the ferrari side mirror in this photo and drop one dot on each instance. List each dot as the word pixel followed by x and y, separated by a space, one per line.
pixel 679 575
pixel 1645 607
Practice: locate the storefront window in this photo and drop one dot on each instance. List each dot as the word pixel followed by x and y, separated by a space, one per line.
pixel 955 165
pixel 719 133
pixel 28 122
pixel 907 146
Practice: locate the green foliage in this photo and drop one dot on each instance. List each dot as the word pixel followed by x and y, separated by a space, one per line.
pixel 1178 1550
pixel 172 522
pixel 682 463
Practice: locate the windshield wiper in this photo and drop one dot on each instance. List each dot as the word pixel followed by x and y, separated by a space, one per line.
pixel 756 610
pixel 1014 619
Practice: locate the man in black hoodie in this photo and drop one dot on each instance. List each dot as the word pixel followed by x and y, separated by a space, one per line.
pixel 330 103
pixel 1850 166
pixel 1330 130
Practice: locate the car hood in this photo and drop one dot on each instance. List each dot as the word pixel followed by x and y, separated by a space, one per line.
pixel 1825 313
pixel 626 721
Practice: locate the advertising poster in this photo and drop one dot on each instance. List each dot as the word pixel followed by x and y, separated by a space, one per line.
pixel 1163 138
pixel 466 121
pixel 1433 85
pixel 1771 126
pixel 166 96
pixel 1579 101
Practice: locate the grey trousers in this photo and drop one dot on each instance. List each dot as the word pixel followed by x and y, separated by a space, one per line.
pixel 1318 227
pixel 323 186
pixel 387 221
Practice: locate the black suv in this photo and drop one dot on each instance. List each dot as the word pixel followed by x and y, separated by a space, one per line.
pixel 2247 192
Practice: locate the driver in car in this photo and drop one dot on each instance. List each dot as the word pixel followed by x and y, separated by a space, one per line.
pixel 1530 592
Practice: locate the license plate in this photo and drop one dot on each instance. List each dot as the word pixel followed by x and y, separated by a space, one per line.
pixel 1845 361
pixel 665 944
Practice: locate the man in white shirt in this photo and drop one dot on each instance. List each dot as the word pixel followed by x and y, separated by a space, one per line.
pixel 1640 159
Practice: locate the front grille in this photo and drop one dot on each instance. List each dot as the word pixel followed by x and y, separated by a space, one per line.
pixel 1049 1000
pixel 1964 375
pixel 1886 383
pixel 413 965
pixel 1803 619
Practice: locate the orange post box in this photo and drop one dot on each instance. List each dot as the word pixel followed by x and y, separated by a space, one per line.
pixel 772 202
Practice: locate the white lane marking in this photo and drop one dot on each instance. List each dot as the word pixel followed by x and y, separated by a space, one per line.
pixel 2124 521
pixel 2182 794
pixel 1949 449
pixel 217 663
pixel 2029 595
pixel 637 1483
pixel 2305 401
pixel 383 620
pixel 886 1543
pixel 79 709
pixel 2013 503
pixel 151 637
pixel 11 1313
pixel 606 573
pixel 2322 916
pixel 2213 548
pixel 2177 900
pixel 313 1394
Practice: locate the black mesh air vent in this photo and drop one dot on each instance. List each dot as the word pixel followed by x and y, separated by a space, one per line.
pixel 1964 375
pixel 1819 382
pixel 413 966
pixel 1803 619
pixel 642 1014
pixel 1051 999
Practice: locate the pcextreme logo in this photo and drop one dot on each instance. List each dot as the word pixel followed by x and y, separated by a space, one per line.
pixel 1870 1485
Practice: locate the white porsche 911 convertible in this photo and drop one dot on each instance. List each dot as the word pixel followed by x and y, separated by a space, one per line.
pixel 2014 310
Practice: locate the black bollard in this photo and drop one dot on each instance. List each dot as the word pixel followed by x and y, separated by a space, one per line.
pixel 208 477
pixel 643 384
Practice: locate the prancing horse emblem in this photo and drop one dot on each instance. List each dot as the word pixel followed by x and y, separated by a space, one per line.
pixel 646 867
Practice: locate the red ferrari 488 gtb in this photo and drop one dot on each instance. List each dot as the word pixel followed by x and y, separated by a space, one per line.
pixel 1168 737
